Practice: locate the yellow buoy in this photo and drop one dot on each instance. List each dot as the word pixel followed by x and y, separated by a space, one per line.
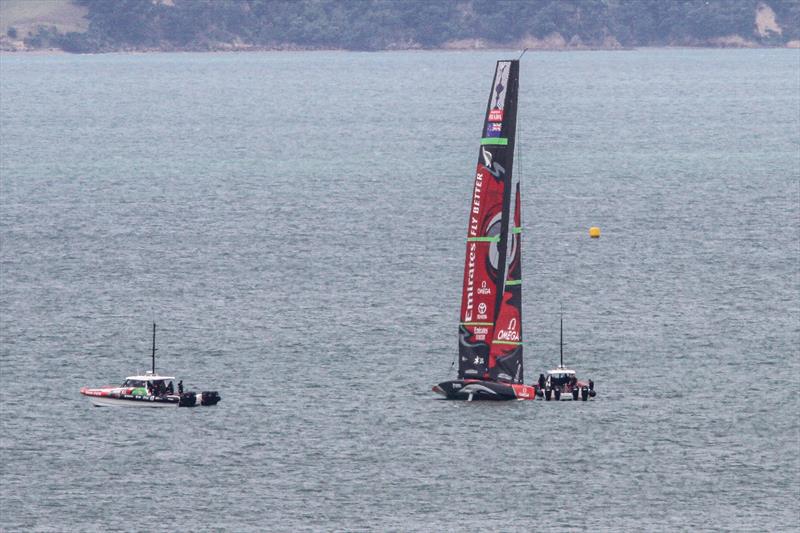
pixel 594 232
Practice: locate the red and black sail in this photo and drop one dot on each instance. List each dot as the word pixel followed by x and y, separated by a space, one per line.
pixel 488 250
pixel 505 353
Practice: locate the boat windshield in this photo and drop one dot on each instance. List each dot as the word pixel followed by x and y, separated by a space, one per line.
pixel 133 383
pixel 560 378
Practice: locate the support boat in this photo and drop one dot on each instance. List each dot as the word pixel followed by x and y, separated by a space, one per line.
pixel 148 390
pixel 561 383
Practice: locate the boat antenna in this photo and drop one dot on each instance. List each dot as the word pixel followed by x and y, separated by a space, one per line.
pixel 522 54
pixel 154 348
pixel 561 341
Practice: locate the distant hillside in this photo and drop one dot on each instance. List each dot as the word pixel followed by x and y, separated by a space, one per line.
pixel 105 25
pixel 25 17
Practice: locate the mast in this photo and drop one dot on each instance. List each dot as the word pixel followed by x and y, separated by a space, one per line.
pixel 561 340
pixel 154 348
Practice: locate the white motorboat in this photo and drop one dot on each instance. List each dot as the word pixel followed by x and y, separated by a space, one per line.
pixel 148 390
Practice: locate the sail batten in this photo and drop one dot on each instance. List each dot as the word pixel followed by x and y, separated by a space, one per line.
pixel 483 239
pixel 492 242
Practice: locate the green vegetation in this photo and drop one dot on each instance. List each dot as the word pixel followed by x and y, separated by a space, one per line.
pixel 391 24
pixel 25 16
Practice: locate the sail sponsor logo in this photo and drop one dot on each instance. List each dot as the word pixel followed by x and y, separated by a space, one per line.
pixel 478 360
pixel 472 250
pixel 482 311
pixel 476 204
pixel 510 333
pixel 484 289
pixel 522 392
pixel 496 115
pixel 470 281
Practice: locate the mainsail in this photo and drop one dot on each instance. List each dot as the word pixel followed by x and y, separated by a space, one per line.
pixel 489 302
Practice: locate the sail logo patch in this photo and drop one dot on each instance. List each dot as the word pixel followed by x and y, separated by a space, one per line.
pixel 493 129
pixel 510 333
pixel 484 289
pixel 470 282
pixel 495 115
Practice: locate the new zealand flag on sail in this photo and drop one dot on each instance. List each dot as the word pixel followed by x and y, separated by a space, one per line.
pixel 493 129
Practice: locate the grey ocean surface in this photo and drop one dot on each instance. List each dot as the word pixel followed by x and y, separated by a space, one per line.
pixel 295 222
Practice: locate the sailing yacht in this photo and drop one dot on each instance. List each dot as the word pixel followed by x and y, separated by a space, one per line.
pixel 490 327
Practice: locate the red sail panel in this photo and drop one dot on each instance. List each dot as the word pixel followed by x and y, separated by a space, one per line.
pixel 505 353
pixel 487 226
pixel 481 278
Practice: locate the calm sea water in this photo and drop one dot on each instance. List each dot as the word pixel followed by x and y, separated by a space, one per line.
pixel 295 223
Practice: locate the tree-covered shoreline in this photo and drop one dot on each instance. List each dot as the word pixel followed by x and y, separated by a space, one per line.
pixel 200 25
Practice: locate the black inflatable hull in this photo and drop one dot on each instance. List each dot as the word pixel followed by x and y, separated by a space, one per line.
pixel 474 389
pixel 191 399
pixel 576 394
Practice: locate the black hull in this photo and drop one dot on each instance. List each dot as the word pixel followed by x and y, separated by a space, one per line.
pixel 475 390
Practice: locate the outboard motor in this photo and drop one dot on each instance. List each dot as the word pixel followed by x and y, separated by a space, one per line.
pixel 188 399
pixel 584 394
pixel 575 393
pixel 547 392
pixel 210 398
pixel 558 393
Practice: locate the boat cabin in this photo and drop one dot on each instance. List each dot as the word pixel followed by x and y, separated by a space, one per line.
pixel 560 376
pixel 151 384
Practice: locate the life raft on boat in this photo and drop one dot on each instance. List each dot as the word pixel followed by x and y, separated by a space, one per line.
pixel 476 389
